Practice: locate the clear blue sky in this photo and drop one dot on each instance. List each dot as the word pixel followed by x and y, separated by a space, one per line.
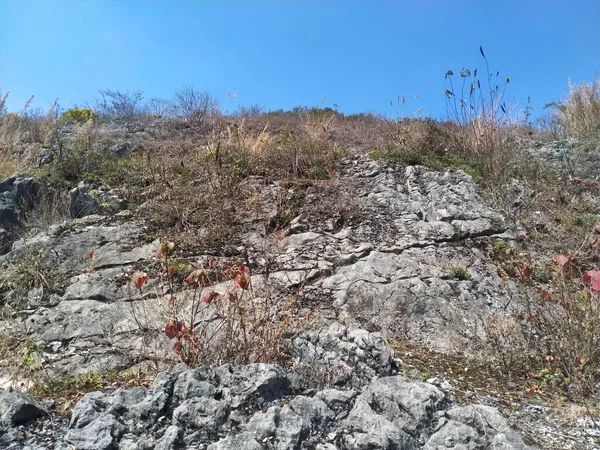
pixel 356 54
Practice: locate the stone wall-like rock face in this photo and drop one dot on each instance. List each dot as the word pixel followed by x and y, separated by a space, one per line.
pixel 388 270
pixel 260 406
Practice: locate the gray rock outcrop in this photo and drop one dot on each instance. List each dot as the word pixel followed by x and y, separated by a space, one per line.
pixel 256 407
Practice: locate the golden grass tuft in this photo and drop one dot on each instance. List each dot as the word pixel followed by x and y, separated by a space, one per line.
pixel 580 111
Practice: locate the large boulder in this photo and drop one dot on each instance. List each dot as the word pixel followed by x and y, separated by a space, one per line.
pixel 18 196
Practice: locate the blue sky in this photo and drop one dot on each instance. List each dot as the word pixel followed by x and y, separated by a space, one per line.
pixel 358 55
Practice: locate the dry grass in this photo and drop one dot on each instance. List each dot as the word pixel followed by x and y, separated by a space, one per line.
pixel 580 111
pixel 9 165
pixel 485 122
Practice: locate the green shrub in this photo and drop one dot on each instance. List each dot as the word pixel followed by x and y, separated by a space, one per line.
pixel 460 273
pixel 78 115
pixel 396 156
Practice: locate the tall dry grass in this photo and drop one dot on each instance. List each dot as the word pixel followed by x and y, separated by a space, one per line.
pixel 580 111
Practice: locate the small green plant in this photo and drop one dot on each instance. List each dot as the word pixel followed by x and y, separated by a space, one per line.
pixel 501 246
pixel 585 220
pixel 31 354
pixel 460 272
pixel 318 173
pixel 542 276
pixel 396 156
pixel 78 115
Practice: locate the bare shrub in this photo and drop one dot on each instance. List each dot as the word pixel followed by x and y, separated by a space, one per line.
pixel 193 105
pixel 305 151
pixel 250 111
pixel 552 330
pixel 159 107
pixel 550 123
pixel 52 207
pixel 120 105
pixel 224 319
pixel 9 163
pixel 80 154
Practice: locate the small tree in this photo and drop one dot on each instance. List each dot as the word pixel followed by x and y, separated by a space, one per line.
pixel 194 105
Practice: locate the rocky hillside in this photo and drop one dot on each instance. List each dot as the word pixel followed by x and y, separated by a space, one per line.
pixel 326 296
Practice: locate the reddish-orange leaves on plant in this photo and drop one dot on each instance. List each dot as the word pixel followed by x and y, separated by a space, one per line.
pixel 139 278
pixel 524 271
pixel 242 278
pixel 209 296
pixel 174 329
pixel 593 277
pixel 562 259
pixel 197 277
pixel 165 249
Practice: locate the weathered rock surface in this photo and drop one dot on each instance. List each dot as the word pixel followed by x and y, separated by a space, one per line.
pixel 17 196
pixel 388 273
pixel 84 200
pixel 257 407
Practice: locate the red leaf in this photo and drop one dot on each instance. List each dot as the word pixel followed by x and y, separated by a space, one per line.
pixel 596 243
pixel 170 329
pixel 596 228
pixel 530 318
pixel 177 347
pixel 190 279
pixel 545 295
pixel 195 277
pixel 596 285
pixel 524 271
pixel 139 278
pixel 242 277
pixel 591 275
pixel 209 296
pixel 242 281
pixel 563 259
